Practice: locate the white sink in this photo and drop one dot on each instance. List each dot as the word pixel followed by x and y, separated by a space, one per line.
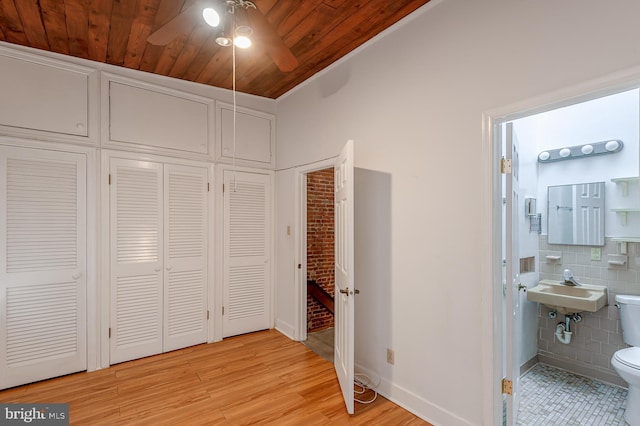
pixel 567 299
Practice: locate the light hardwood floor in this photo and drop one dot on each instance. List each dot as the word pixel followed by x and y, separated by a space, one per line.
pixel 258 378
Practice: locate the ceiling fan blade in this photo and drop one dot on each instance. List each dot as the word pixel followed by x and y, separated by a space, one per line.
pixel 269 38
pixel 183 23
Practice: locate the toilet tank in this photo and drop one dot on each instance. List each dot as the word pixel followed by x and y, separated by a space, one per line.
pixel 630 318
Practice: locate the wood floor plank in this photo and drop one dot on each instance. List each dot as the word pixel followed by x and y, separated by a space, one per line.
pixel 260 378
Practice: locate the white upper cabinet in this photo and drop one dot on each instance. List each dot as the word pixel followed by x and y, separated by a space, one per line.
pixel 143 117
pixel 252 141
pixel 46 99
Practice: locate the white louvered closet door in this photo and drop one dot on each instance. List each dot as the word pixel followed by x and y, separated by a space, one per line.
pixel 136 220
pixel 246 252
pixel 42 265
pixel 185 276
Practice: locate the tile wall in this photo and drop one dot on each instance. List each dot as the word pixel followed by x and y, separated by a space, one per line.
pixel 598 335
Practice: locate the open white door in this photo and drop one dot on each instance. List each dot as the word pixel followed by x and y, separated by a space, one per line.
pixel 344 291
pixel 512 297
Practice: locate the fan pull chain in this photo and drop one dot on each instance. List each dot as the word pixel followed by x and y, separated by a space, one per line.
pixel 235 106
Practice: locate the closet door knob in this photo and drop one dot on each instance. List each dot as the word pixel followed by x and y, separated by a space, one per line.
pixel 169 268
pixel 76 275
pixel 157 269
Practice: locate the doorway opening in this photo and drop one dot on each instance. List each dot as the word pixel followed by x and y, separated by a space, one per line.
pixel 531 343
pixel 320 255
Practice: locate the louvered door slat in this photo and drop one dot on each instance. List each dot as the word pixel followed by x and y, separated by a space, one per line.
pixel 43 227
pixel 136 259
pixel 246 253
pixel 186 256
pixel 41 215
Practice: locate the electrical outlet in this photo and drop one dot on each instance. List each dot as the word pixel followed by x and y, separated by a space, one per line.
pixel 595 253
pixel 391 356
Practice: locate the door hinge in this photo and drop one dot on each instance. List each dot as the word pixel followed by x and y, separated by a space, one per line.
pixel 505 166
pixel 223 187
pixel 507 387
pixel 208 187
pixel 109 178
pixel 207 314
pixel 223 310
pixel 109 332
pixel 299 265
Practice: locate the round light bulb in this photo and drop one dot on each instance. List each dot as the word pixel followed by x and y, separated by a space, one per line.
pixel 544 156
pixel 565 152
pixel 242 42
pixel 587 149
pixel 211 17
pixel 223 40
pixel 611 145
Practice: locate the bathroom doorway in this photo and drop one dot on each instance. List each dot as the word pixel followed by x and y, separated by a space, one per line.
pixel 587 120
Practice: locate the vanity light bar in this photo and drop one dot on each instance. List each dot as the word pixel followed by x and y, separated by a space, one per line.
pixel 580 151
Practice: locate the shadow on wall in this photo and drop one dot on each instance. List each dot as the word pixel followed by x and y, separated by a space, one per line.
pixel 331 83
pixel 372 251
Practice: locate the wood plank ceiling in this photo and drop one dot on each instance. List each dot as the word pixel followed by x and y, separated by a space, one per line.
pixel 318 32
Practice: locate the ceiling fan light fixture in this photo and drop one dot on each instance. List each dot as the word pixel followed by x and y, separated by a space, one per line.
pixel 242 37
pixel 242 42
pixel 223 40
pixel 211 16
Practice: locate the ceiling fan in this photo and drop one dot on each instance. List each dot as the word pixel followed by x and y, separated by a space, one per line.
pixel 210 11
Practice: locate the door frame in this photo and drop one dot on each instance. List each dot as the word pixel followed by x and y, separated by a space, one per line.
pixel 491 215
pixel 300 248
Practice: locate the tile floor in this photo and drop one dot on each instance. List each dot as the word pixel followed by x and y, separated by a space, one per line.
pixel 550 396
pixel 321 342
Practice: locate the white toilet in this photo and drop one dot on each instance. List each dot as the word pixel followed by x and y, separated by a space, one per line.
pixel 626 362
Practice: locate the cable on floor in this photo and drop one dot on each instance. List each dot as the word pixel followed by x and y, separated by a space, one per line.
pixel 363 382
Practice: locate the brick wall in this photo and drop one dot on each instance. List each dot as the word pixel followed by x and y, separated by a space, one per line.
pixel 320 247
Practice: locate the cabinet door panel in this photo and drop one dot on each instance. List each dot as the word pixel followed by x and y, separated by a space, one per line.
pixel 42 265
pixel 251 143
pixel 151 117
pixel 136 215
pixel 42 97
pixel 246 252
pixel 185 277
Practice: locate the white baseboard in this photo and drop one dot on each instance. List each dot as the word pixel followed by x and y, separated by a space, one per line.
pixel 286 329
pixel 413 403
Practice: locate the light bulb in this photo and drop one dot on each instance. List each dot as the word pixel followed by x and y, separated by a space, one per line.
pixel 211 17
pixel 544 156
pixel 242 42
pixel 565 152
pixel 223 40
pixel 587 149
pixel 611 145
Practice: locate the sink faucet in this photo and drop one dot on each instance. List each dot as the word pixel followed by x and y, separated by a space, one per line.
pixel 568 278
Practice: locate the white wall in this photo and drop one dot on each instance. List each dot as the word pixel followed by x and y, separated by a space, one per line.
pixel 285 243
pixel 413 101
